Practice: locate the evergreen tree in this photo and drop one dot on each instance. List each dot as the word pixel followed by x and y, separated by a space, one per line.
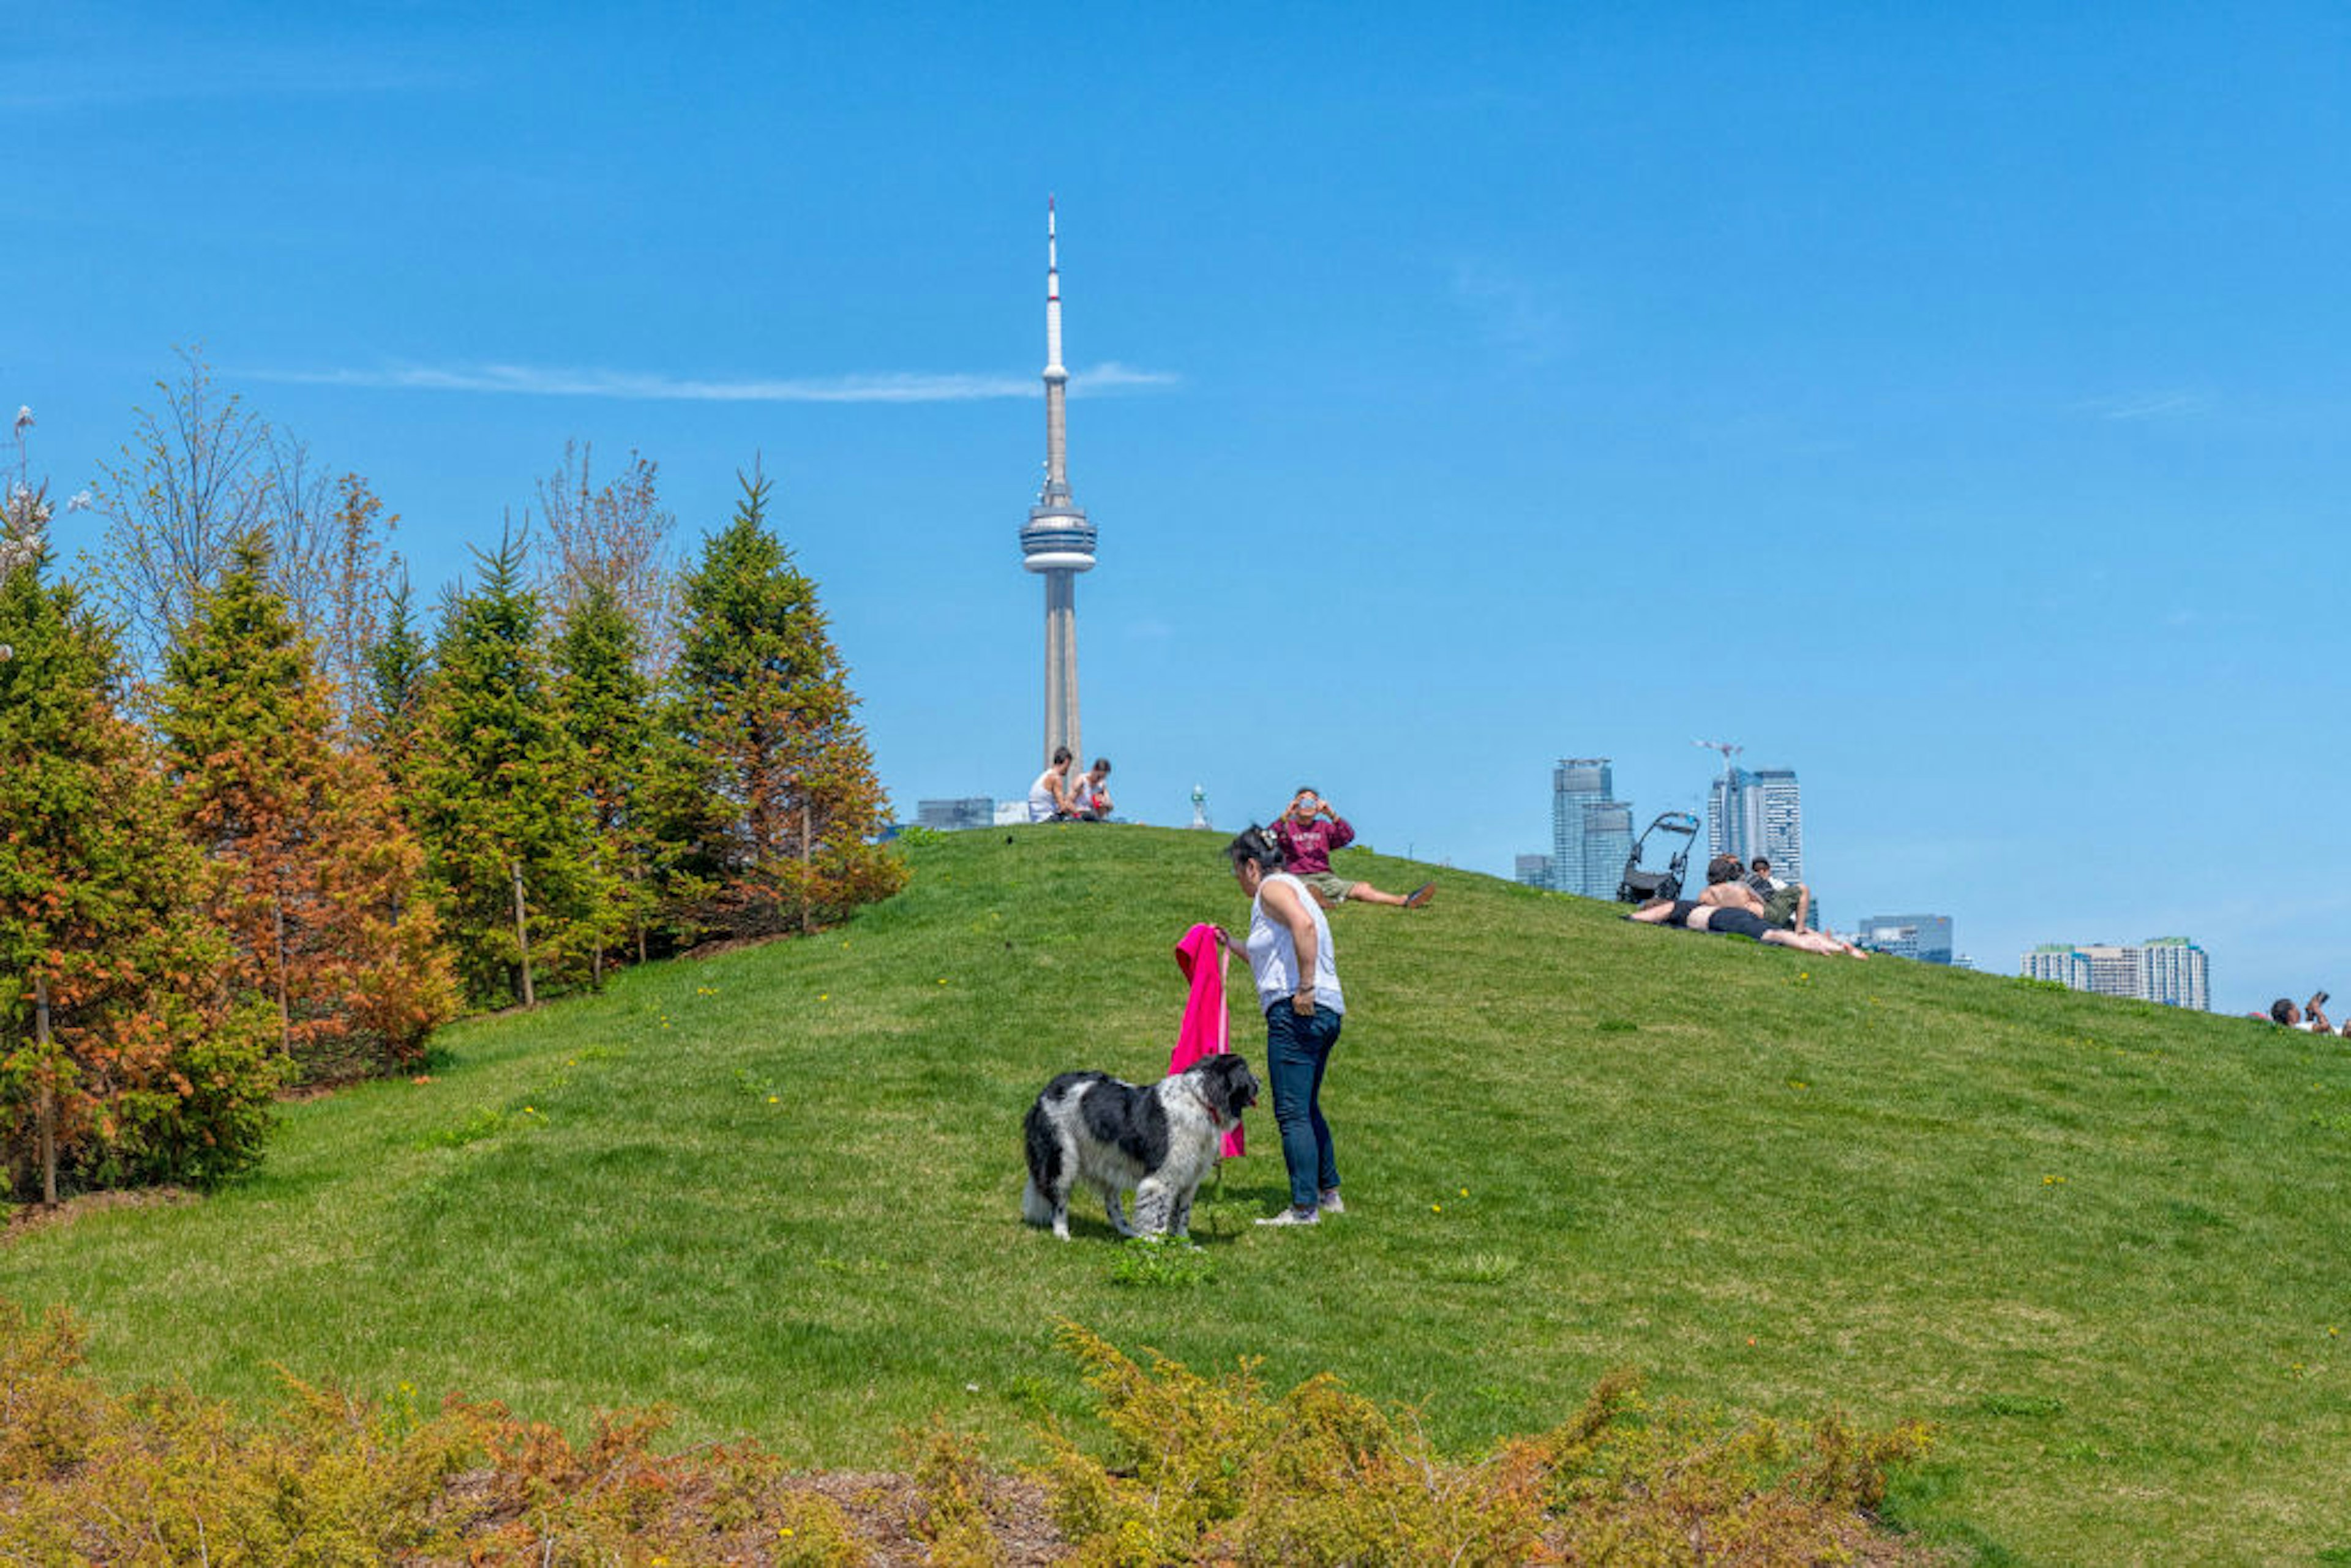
pixel 493 790
pixel 784 836
pixel 156 1069
pixel 397 666
pixel 604 702
pixel 307 868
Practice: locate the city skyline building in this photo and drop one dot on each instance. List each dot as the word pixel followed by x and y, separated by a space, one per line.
pixel 953 815
pixel 1058 541
pixel 1926 937
pixel 1590 830
pixel 1757 812
pixel 2171 970
pixel 1531 871
pixel 2177 973
pixel 1607 844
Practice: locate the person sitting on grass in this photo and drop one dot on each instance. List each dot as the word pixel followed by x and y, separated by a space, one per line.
pixel 1786 904
pixel 1090 793
pixel 1308 832
pixel 1049 798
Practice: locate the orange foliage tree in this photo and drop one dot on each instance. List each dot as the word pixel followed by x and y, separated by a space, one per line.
pixel 154 1068
pixel 306 866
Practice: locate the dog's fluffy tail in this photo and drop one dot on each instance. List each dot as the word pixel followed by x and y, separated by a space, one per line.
pixel 1044 1152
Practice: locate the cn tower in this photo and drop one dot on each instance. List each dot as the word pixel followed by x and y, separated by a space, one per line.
pixel 1058 541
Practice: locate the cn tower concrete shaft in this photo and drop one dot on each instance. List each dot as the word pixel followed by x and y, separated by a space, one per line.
pixel 1062 662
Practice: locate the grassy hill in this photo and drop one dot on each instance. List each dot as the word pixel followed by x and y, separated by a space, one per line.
pixel 2100 1245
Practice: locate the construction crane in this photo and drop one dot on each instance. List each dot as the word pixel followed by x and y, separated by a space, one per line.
pixel 1726 747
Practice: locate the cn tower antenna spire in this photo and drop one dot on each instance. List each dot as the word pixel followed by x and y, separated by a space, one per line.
pixel 1058 542
pixel 1057 379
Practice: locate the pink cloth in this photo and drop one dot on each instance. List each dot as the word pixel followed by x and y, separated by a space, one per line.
pixel 1204 1030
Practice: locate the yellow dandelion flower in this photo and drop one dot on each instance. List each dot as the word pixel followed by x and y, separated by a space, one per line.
pixel 1436 1209
pixel 775 1100
pixel 1465 1192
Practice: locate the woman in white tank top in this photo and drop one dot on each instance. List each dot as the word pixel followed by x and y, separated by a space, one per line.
pixel 1290 953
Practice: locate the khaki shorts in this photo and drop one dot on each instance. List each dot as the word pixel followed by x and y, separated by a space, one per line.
pixel 1332 887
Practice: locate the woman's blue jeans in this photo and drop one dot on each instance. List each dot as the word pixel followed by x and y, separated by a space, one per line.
pixel 1297 1050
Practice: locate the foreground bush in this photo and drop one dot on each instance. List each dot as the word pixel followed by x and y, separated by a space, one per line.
pixel 1202 1471
pixel 164 1478
pixel 1216 1470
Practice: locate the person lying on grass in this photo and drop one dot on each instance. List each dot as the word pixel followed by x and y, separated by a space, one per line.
pixel 1731 907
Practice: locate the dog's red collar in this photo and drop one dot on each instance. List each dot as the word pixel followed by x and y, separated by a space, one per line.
pixel 1214 1120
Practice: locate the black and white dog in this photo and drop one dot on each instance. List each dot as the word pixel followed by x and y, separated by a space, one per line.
pixel 1160 1139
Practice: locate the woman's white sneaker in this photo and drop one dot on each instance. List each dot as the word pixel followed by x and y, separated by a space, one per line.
pixel 1292 1217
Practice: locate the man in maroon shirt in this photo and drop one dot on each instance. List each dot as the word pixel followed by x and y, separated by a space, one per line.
pixel 1309 831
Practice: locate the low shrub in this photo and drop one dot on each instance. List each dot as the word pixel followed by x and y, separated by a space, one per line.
pixel 1217 1470
pixel 952 1511
pixel 1200 1470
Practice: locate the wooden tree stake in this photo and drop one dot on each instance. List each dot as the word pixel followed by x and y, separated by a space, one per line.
pixel 48 1092
pixel 522 935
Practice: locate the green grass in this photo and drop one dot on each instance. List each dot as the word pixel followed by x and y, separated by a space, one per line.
pixel 2101 1246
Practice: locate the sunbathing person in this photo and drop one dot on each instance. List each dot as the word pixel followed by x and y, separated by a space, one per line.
pixel 1728 917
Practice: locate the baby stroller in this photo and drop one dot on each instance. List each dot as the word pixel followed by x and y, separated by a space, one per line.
pixel 1640 886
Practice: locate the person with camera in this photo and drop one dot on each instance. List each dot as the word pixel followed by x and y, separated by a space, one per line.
pixel 1289 957
pixel 2310 1017
pixel 1308 831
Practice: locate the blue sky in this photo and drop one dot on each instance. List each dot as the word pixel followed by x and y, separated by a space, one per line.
pixel 1951 408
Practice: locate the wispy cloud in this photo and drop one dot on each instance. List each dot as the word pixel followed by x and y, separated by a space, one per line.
pixel 1513 313
pixel 2145 405
pixel 892 386
pixel 125 83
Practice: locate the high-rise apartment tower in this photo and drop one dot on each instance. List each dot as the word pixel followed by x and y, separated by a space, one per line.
pixel 1058 541
pixel 2171 970
pixel 1757 812
pixel 1590 830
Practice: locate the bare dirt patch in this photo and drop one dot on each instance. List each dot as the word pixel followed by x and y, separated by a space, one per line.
pixel 33 1216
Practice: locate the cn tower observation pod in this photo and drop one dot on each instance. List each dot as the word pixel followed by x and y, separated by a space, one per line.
pixel 1057 538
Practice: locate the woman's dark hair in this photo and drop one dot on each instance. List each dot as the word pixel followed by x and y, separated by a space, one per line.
pixel 1061 755
pixel 1256 846
pixel 1721 868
